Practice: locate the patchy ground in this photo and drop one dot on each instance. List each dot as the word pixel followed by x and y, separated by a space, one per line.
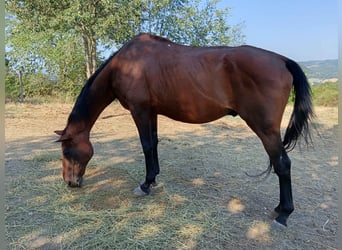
pixel 204 199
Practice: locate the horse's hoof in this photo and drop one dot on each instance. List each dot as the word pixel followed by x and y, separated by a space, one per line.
pixel 278 226
pixel 139 192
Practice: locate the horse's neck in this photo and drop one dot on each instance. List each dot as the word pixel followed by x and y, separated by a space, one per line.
pixel 89 105
pixel 96 105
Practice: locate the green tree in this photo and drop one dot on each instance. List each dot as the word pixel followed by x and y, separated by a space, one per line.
pixel 62 39
pixel 209 25
pixel 194 23
pixel 12 85
pixel 46 23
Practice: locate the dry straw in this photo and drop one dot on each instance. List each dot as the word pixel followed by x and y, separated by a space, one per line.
pixel 203 200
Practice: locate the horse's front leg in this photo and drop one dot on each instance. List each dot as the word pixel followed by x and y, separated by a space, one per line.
pixel 146 123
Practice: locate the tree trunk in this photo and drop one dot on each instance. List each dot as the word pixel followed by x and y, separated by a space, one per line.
pixel 93 55
pixel 90 53
pixel 21 88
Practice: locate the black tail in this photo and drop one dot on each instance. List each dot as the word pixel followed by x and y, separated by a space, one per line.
pixel 302 111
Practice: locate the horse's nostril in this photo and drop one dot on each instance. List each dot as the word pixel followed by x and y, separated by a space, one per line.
pixel 79 181
pixel 73 184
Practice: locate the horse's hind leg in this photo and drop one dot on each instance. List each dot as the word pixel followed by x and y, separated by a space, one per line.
pixel 282 167
pixel 271 139
pixel 283 170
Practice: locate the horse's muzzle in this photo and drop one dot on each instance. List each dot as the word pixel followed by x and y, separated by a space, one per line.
pixel 77 183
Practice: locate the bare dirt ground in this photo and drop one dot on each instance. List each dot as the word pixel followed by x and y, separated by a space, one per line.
pixel 204 199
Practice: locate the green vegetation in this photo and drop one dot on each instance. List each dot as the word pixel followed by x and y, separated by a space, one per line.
pixel 325 94
pixel 57 45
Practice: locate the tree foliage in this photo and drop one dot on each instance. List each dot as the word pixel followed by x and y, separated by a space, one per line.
pixel 62 40
pixel 197 23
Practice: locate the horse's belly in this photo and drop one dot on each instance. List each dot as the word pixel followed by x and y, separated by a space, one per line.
pixel 194 101
pixel 195 112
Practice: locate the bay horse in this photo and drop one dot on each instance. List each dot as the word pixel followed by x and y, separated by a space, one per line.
pixel 151 75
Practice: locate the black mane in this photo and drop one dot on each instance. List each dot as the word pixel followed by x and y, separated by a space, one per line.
pixel 80 109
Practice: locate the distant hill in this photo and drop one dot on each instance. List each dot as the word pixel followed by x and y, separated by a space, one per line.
pixel 320 71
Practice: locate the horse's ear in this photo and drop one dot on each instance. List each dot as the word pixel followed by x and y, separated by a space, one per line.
pixel 63 136
pixel 59 132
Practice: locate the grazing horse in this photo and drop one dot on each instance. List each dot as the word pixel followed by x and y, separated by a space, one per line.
pixel 151 75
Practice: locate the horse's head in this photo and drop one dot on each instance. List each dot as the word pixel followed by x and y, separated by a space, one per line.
pixel 76 153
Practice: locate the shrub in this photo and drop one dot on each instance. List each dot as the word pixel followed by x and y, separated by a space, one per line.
pixel 325 94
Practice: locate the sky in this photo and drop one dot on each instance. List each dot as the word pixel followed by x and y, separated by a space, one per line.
pixel 302 30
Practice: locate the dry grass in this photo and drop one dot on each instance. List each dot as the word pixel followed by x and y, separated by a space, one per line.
pixel 204 200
